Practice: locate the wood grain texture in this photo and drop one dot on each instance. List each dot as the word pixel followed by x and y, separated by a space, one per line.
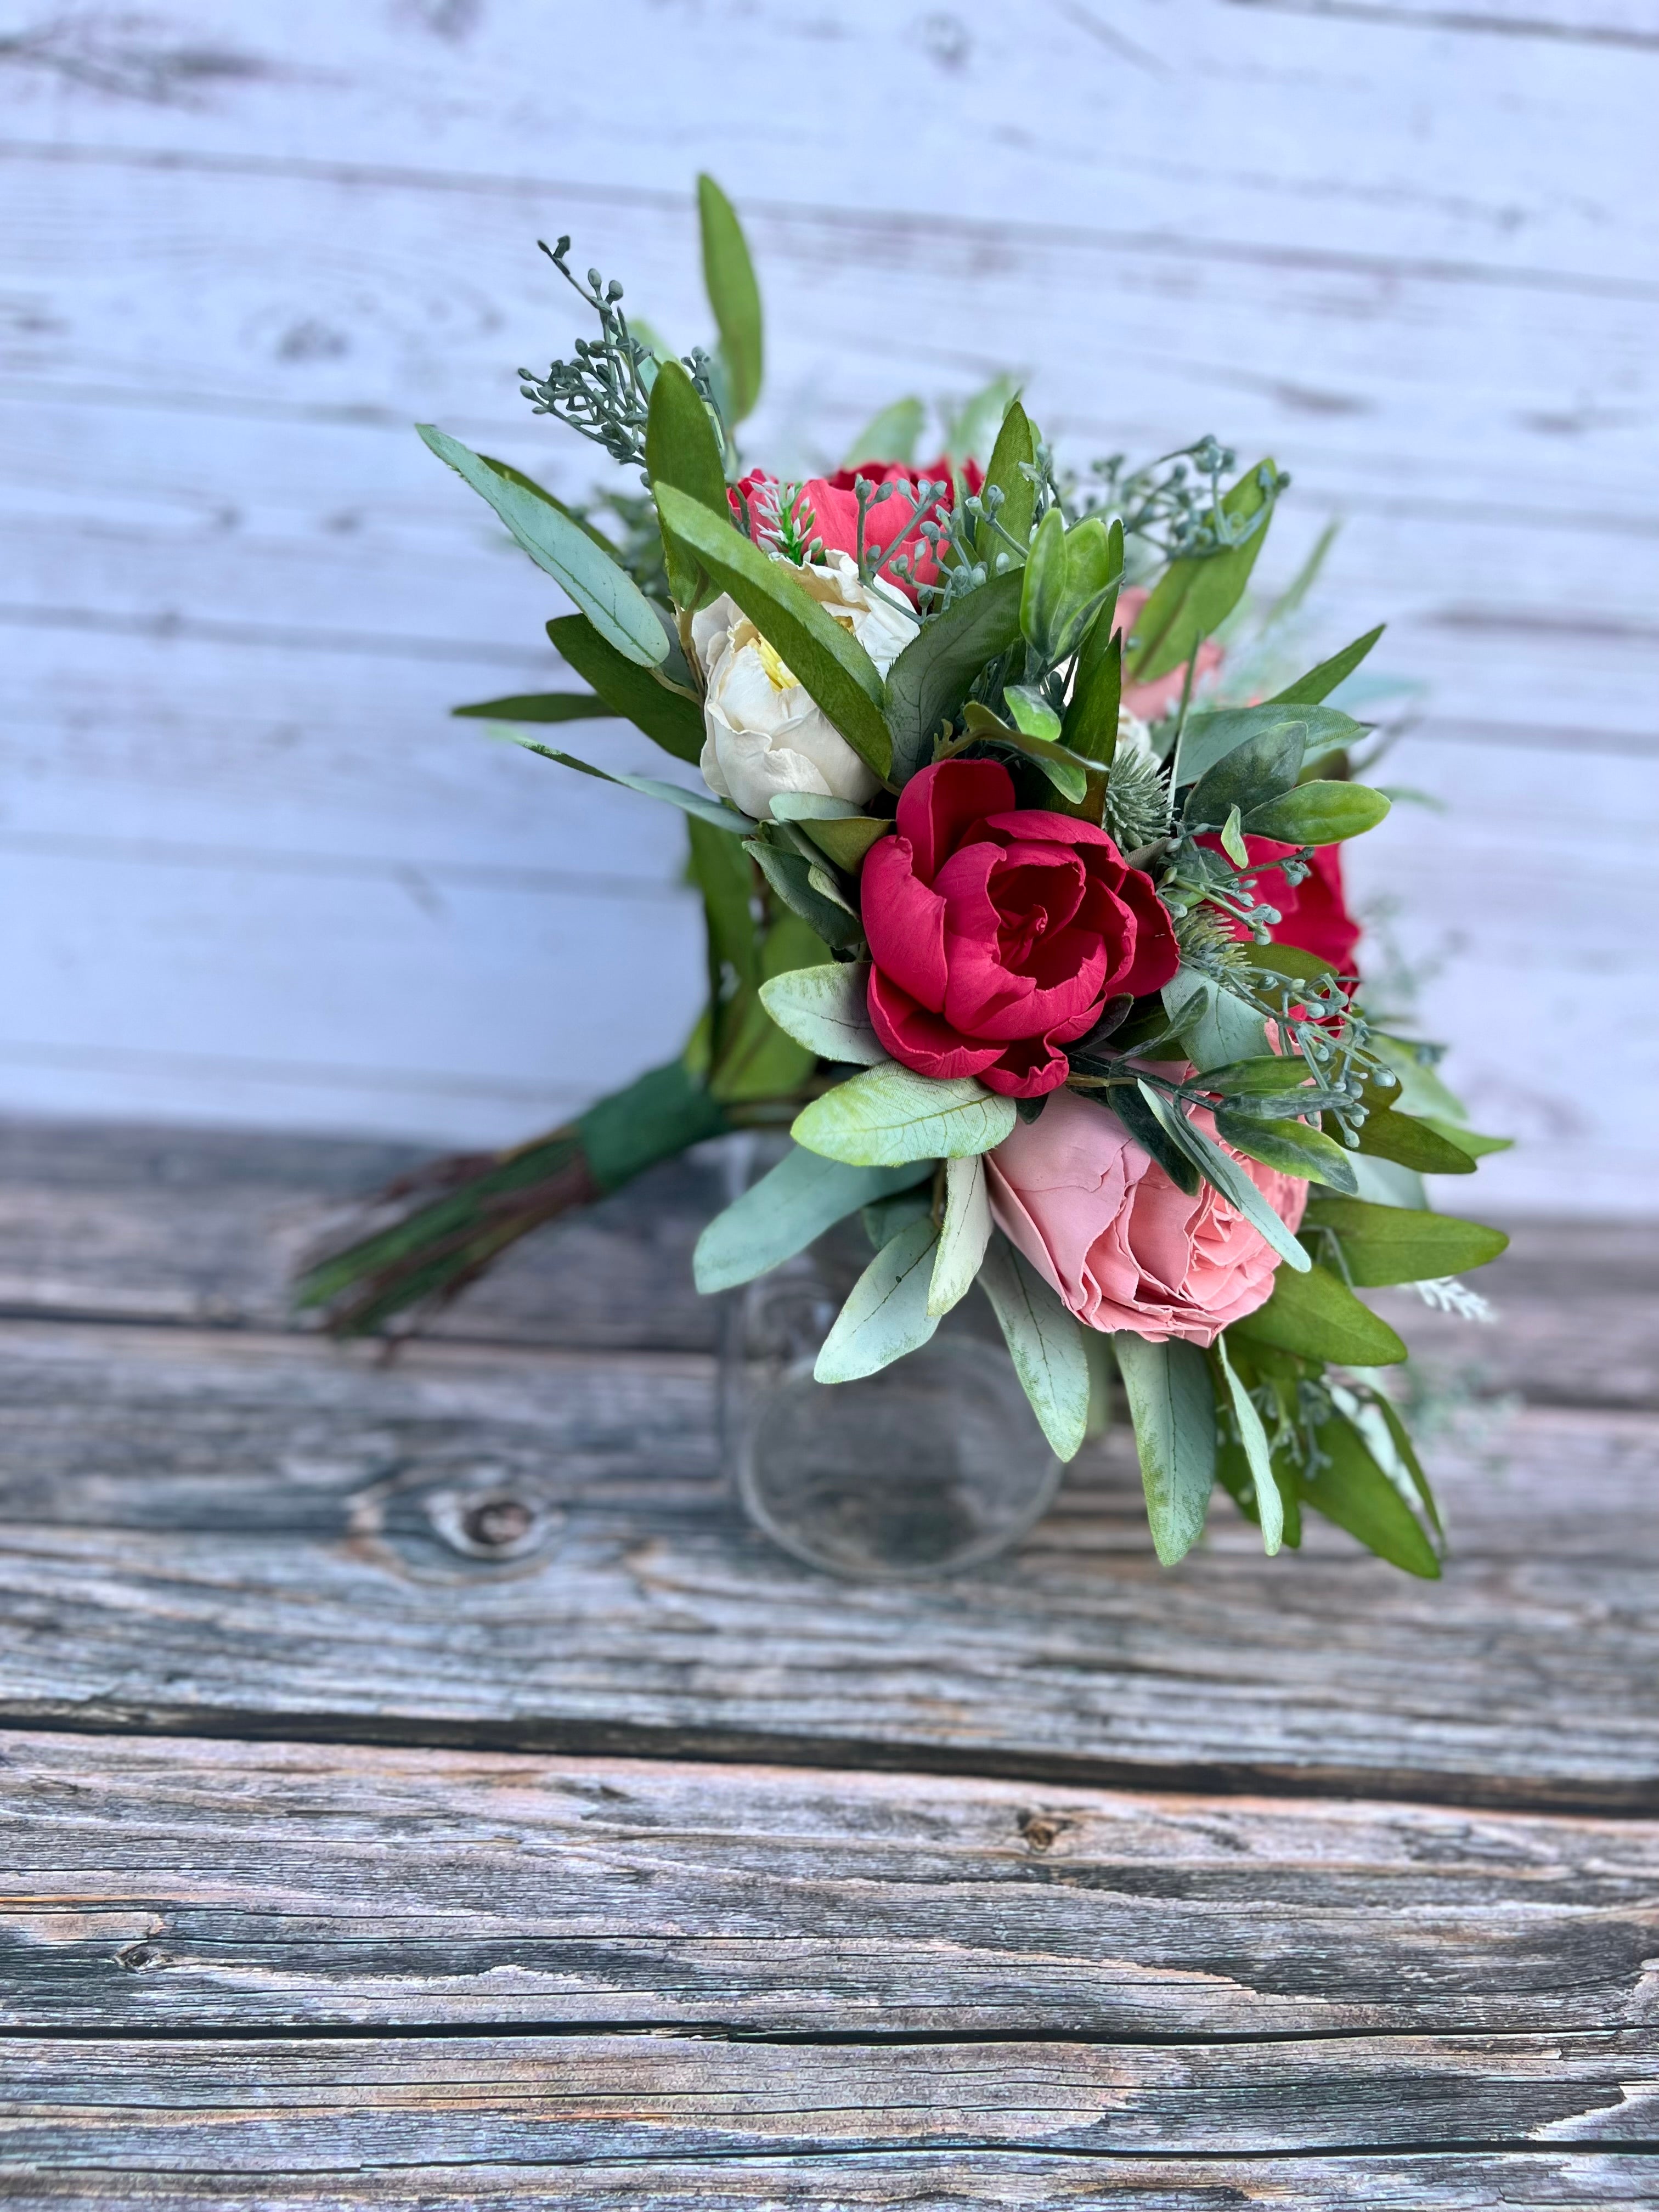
pixel 248 1534
pixel 327 2104
pixel 183 1887
pixel 253 244
pixel 116 1221
pixel 942 2181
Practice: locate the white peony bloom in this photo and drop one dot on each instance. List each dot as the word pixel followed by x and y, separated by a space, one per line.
pixel 766 734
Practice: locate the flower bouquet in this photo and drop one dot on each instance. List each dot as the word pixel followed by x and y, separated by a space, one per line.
pixel 1024 918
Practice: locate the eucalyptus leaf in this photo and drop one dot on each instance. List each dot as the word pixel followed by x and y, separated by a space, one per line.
pixel 928 682
pixel 1264 767
pixel 1194 595
pixel 1227 1176
pixel 1014 452
pixel 790 875
pixel 1091 715
pixel 1318 1317
pixel 1269 1505
pixel 606 594
pixel 890 1114
pixel 1412 1142
pixel 1173 1409
pixel 1206 739
pixel 827 661
pixel 1266 1075
pixel 1289 1145
pixel 1214 1024
pixel 886 1314
pixel 1031 711
pixel 683 448
pixel 669 717
pixel 542 706
pixel 1467 1140
pixel 1399 1244
pixel 1351 1490
pixel 1319 683
pixel 963 1234
pixel 788 1209
pixel 826 1008
pixel 728 277
pixel 1319 814
pixel 891 435
pixel 1043 592
pixel 847 842
pixel 1148 1131
pixel 1045 1343
pixel 701 804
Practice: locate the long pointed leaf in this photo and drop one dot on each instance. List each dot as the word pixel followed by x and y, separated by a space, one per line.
pixel 826 1009
pixel 930 679
pixel 606 594
pixel 886 1314
pixel 702 804
pixel 890 1114
pixel 728 276
pixel 1173 1408
pixel 1228 1177
pixel 668 718
pixel 963 1234
pixel 1269 1505
pixel 1045 1343
pixel 785 1212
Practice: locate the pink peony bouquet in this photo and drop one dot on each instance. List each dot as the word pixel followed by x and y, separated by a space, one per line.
pixel 1025 918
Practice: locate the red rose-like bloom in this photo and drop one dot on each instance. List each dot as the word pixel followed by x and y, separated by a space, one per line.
pixel 996 930
pixel 891 522
pixel 1315 916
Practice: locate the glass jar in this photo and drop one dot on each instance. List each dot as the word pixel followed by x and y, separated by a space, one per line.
pixel 934 1464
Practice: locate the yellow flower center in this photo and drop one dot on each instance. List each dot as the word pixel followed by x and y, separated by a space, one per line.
pixel 772 661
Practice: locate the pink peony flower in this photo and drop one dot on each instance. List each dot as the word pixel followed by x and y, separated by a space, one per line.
pixel 1102 1222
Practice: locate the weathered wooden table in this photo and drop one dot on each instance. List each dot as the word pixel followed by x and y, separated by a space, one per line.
pixel 420 1787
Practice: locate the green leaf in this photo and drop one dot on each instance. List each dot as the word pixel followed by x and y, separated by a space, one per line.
pixel 1043 592
pixel 540 491
pixel 1398 1244
pixel 721 873
pixel 928 682
pixel 540 705
pixel 1265 767
pixel 1193 596
pixel 1406 1456
pixel 1265 1076
pixel 847 842
pixel 1318 1317
pixel 1412 1142
pixel 1227 1176
pixel 891 435
pixel 826 660
pixel 1319 814
pixel 825 1008
pixel 1319 683
pixel 784 1212
pixel 1045 1343
pixel 1269 1505
pixel 972 432
pixel 757 1060
pixel 1289 1145
pixel 1031 711
pixel 963 1234
pixel 1207 739
pixel 890 1114
pixel 790 875
pixel 1214 1024
pixel 702 804
pixel 1069 775
pixel 606 594
pixel 669 717
pixel 1421 1091
pixel 1232 842
pixel 1352 1490
pixel 886 1314
pixel 1091 717
pixel 1150 1133
pixel 1015 450
pixel 1288 960
pixel 728 277
pixel 1467 1140
pixel 682 448
pixel 1173 1409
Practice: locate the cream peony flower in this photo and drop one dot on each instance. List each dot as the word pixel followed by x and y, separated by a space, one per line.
pixel 766 734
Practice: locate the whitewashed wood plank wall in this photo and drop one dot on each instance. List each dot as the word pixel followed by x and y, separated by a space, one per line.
pixel 253 873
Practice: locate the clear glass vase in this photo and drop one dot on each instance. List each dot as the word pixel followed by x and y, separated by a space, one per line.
pixel 934 1464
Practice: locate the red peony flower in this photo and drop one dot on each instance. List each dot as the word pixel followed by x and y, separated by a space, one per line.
pixel 997 931
pixel 1315 912
pixel 891 520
